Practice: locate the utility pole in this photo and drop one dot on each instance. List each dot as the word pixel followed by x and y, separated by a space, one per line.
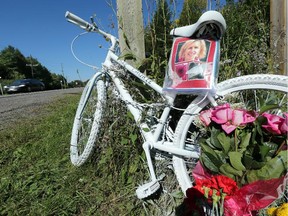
pixel 32 65
pixel 64 83
pixel 1 87
pixel 79 75
pixel 278 33
pixel 131 30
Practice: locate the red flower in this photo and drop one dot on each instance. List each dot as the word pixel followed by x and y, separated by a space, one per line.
pixel 205 185
pixel 220 183
pixel 228 185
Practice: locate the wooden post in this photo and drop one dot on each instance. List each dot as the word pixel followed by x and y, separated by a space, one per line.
pixel 131 30
pixel 278 33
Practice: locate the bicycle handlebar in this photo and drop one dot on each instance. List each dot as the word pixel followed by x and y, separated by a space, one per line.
pixel 80 22
pixel 89 27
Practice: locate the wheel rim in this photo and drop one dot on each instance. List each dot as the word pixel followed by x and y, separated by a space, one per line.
pixel 270 94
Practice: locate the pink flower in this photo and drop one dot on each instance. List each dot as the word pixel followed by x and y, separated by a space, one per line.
pixel 221 114
pixel 230 119
pixel 205 117
pixel 284 126
pixel 275 124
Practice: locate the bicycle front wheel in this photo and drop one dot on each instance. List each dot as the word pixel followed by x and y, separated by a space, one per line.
pixel 246 91
pixel 87 120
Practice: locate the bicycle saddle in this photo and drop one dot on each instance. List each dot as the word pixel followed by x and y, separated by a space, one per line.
pixel 211 25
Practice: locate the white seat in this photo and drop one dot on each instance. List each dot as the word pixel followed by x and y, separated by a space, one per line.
pixel 210 20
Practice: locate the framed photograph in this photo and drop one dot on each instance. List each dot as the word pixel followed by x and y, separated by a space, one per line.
pixel 193 65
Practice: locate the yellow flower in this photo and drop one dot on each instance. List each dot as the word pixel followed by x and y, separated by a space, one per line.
pixel 272 211
pixel 282 210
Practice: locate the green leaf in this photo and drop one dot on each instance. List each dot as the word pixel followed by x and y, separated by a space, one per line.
pixel 221 156
pixel 257 164
pixel 245 140
pixel 124 141
pixel 214 141
pixel 264 150
pixel 236 160
pixel 207 149
pixel 247 160
pixel 133 137
pixel 228 170
pixel 207 142
pixel 272 148
pixel 274 168
pixel 268 107
pixel 130 115
pixel 224 141
pixel 210 162
pixel 146 129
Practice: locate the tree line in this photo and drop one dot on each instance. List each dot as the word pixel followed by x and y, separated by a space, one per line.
pixel 14 65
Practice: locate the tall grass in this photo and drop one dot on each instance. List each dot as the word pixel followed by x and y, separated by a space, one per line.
pixel 38 179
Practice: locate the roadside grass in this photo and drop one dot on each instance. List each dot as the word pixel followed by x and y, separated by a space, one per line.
pixel 37 177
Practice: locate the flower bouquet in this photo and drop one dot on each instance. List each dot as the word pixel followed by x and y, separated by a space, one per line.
pixel 243 162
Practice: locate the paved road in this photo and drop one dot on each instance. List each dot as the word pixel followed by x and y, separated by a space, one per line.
pixel 16 106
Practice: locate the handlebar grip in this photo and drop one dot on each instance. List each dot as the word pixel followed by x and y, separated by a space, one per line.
pixel 79 21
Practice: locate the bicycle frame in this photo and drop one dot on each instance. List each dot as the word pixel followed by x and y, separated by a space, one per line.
pixel 152 139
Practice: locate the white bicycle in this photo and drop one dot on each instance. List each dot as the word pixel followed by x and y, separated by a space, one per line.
pixel 158 135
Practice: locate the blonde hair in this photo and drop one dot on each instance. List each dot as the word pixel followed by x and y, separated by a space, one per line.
pixel 183 49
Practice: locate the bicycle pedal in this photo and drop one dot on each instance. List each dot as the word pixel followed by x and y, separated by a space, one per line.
pixel 147 189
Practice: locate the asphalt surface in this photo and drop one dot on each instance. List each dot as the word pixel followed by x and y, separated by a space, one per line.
pixel 14 107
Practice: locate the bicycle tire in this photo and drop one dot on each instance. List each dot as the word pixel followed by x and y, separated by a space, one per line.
pixel 87 121
pixel 261 82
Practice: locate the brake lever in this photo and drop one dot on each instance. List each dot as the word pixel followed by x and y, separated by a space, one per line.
pixel 93 22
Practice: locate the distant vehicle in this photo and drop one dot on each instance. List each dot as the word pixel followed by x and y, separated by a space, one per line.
pixel 25 85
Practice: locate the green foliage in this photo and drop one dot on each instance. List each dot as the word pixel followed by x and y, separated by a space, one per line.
pixel 12 63
pixel 246 42
pixel 158 41
pixel 192 10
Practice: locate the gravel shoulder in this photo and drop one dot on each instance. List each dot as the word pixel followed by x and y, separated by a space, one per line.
pixel 18 106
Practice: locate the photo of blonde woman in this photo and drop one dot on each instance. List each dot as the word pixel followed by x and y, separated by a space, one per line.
pixel 193 65
pixel 191 60
pixel 192 50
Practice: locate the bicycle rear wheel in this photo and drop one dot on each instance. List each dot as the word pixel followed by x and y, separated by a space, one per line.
pixel 248 91
pixel 87 120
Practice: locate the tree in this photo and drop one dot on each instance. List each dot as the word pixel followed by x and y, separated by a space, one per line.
pixel 13 63
pixel 158 41
pixel 278 33
pixel 246 40
pixel 130 26
pixel 192 10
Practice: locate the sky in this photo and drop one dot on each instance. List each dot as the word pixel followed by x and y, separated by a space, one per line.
pixel 38 28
